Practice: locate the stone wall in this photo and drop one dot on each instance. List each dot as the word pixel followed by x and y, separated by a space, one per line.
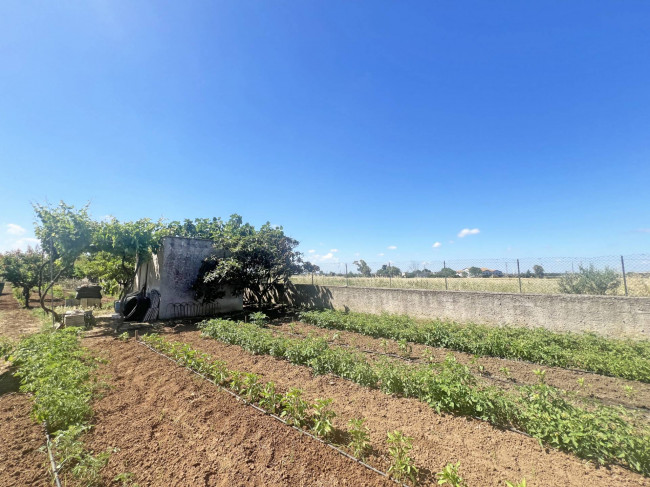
pixel 611 316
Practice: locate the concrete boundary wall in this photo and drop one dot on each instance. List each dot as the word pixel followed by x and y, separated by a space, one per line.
pixel 611 316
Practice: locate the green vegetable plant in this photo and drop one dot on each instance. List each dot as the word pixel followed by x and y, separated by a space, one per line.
pixel 359 437
pixel 402 466
pixel 450 475
pixel 258 318
pixel 322 418
pixel 295 409
pixel 518 484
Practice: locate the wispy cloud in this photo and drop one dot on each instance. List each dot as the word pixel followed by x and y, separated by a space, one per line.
pixel 467 231
pixel 437 245
pixel 643 230
pixel 329 257
pixel 392 247
pixel 334 250
pixel 381 254
pixel 311 251
pixel 13 229
pixel 23 243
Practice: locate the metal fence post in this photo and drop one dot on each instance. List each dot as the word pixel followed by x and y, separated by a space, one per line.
pixel 390 277
pixel 444 266
pixel 624 278
pixel 519 276
pixel 346 276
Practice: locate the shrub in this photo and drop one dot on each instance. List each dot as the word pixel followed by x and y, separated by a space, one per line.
pixel 589 281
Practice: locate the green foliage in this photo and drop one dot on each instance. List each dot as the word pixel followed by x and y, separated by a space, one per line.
pixel 359 437
pixel 295 409
pixel 450 475
pixel 52 366
pixel 124 336
pixel 74 459
pixel 589 281
pixel 475 271
pixel 270 399
pixel 388 271
pixel 518 484
pixel 322 418
pixel 258 318
pixel 6 347
pixel 538 270
pixel 363 268
pixel 247 259
pixel 617 358
pixel 23 270
pixel 402 467
pixel 446 272
pixel 449 386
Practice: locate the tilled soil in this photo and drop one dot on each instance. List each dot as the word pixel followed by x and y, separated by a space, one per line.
pixel 173 428
pixel 21 462
pixel 610 390
pixel 14 320
pixel 488 455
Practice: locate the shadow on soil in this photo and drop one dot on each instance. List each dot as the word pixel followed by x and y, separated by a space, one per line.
pixel 8 383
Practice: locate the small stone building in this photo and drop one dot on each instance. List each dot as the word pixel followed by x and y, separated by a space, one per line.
pixel 171 273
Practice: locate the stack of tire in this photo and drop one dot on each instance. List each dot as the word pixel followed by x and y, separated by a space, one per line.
pixel 136 306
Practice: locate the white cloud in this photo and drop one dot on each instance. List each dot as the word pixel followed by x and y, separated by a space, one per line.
pixel 436 245
pixel 643 230
pixel 311 251
pixel 392 247
pixel 13 229
pixel 23 243
pixel 467 231
pixel 334 250
pixel 381 254
pixel 357 254
pixel 329 257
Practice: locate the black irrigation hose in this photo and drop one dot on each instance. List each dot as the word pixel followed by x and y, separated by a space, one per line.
pixel 342 452
pixel 49 452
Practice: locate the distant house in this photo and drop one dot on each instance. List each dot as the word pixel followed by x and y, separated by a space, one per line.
pixel 485 272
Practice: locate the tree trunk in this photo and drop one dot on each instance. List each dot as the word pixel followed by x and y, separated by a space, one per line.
pixel 26 291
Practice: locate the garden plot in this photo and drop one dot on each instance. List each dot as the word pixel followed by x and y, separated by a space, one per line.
pixel 489 455
pixel 503 372
pixel 174 428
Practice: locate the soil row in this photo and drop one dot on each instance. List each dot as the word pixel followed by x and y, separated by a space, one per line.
pixel 488 456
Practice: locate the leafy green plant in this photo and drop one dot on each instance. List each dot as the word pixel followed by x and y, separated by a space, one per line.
pixel 75 460
pixel 541 375
pixel 124 336
pixel 270 399
pixel 450 475
pixel 505 371
pixel 518 484
pixel 405 348
pixel 322 418
pixel 630 391
pixel 251 387
pixel 402 466
pixel 589 280
pixel 359 437
pixel 294 408
pixel 258 318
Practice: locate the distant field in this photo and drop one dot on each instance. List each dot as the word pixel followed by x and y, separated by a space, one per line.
pixel 637 286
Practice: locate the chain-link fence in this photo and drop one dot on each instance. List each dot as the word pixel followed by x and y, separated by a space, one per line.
pixel 627 275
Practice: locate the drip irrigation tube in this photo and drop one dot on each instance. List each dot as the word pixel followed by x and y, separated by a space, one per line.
pixel 52 462
pixel 278 418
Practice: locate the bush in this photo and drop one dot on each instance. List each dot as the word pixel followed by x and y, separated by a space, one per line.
pixel 589 281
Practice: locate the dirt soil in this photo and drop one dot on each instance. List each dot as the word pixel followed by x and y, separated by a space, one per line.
pixel 174 428
pixel 14 320
pixel 609 390
pixel 488 455
pixel 21 462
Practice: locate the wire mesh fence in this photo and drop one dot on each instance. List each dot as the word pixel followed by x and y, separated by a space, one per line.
pixel 627 275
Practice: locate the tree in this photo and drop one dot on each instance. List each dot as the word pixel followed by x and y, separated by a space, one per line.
pixel 65 233
pixel 22 270
pixel 446 272
pixel 121 248
pixel 363 268
pixel 310 268
pixel 589 281
pixel 389 271
pixel 538 270
pixel 246 259
pixel 475 271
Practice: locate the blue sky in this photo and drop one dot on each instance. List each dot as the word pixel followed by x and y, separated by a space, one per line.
pixel 358 126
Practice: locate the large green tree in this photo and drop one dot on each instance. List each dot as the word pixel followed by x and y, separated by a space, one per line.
pixel 22 270
pixel 247 259
pixel 65 234
pixel 388 271
pixel 363 268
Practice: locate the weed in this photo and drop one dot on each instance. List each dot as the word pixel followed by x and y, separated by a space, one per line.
pixel 541 375
pixel 124 336
pixel 405 348
pixel 630 392
pixel 518 484
pixel 505 371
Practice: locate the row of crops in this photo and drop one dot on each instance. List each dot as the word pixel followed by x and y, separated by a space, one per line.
pixel 57 372
pixel 616 358
pixel 603 434
pixel 316 417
